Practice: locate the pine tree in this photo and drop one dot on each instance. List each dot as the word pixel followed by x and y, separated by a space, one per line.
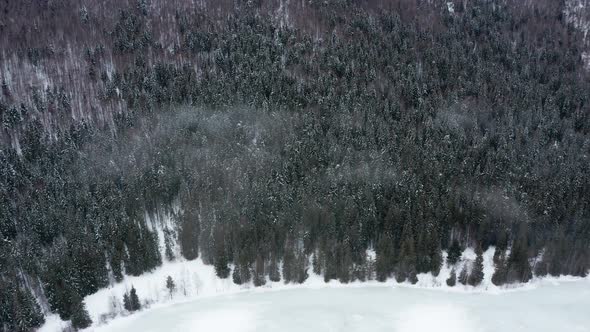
pixel 19 307
pixel 236 275
pixel 316 263
pixel 436 259
pixel 499 276
pixel 476 276
pixel 289 273
pixel 222 269
pixel 385 262
pixel 519 268
pixel 301 268
pixel 134 299
pixel 259 274
pixel 274 274
pixel 452 280
pixel 188 235
pixel 407 256
pixel 170 285
pixel 413 277
pixel 80 317
pixel 454 253
pixel 464 275
pixel 168 246
pixel 127 302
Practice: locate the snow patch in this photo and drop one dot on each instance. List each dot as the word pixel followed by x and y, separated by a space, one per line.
pixel 441 318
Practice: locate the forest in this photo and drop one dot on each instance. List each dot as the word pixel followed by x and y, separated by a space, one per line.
pixel 288 138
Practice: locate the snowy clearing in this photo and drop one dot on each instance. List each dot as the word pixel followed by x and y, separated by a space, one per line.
pixel 548 308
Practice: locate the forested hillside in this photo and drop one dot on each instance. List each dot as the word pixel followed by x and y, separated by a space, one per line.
pixel 282 132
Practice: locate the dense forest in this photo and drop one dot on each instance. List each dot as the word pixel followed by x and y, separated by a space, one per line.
pixel 287 138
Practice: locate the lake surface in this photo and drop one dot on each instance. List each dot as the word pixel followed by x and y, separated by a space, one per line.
pixel 562 307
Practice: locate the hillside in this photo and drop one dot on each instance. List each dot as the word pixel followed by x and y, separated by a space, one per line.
pixel 273 139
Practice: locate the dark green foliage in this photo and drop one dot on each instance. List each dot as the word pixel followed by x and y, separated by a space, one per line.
pixel 131 300
pixel 168 246
pixel 134 300
pixel 259 276
pixel 519 268
pixel 412 277
pixel 385 261
pixel 188 236
pixel 452 280
pixel 464 276
pixel 127 302
pixel 170 285
pixel 222 269
pixel 80 318
pixel 476 275
pixel 454 253
pixel 501 269
pixel 19 310
pixel 237 275
pixel 395 128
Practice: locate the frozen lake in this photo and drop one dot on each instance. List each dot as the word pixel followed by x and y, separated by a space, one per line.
pixel 564 307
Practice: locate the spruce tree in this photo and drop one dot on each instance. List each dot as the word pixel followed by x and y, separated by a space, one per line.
pixel 237 275
pixel 80 318
pixel 413 277
pixel 452 280
pixel 222 269
pixel 316 263
pixel 464 275
pixel 476 276
pixel 170 285
pixel 23 314
pixel 274 274
pixel 127 302
pixel 519 268
pixel 259 277
pixel 499 276
pixel 454 253
pixel 134 300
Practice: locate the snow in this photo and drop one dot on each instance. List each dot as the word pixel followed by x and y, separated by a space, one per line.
pixel 53 323
pixel 196 282
pixel 561 307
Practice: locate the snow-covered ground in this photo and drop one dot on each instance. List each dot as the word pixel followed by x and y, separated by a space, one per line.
pixel 196 283
pixel 549 307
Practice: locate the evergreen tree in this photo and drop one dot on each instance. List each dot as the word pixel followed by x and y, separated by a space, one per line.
pixel 273 274
pixel 454 253
pixel 170 285
pixel 19 310
pixel 476 276
pixel 222 269
pixel 134 300
pixel 189 234
pixel 127 302
pixel 168 246
pixel 385 260
pixel 413 277
pixel 452 280
pixel 519 268
pixel 237 275
pixel 259 273
pixel 499 276
pixel 80 318
pixel 463 276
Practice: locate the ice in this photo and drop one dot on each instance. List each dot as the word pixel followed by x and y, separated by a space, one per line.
pixel 552 306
